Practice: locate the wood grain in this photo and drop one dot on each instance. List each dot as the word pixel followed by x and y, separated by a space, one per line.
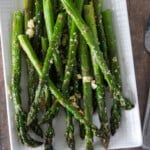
pixel 138 13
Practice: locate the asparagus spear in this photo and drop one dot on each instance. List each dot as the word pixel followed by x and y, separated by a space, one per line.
pixel 48 17
pixel 15 82
pixel 32 75
pixel 87 91
pixel 98 4
pixel 77 112
pixel 38 27
pixel 73 43
pixel 28 11
pixel 115 117
pixel 49 131
pixel 49 135
pixel 45 90
pixel 100 91
pixel 55 4
pixel 44 43
pixel 114 67
pixel 112 46
pixel 28 14
pixel 77 84
pixel 95 52
pixel 54 46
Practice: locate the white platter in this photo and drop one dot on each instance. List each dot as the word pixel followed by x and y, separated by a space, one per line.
pixel 129 134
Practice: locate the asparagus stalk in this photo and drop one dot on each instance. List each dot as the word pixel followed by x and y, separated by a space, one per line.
pixel 112 46
pixel 48 17
pixel 38 27
pixel 77 112
pixel 100 91
pixel 87 91
pixel 44 44
pixel 73 43
pixel 49 131
pixel 49 135
pixel 95 52
pixel 77 84
pixel 20 115
pixel 114 67
pixel 28 11
pixel 55 7
pixel 98 4
pixel 115 117
pixel 28 14
pixel 45 90
pixel 32 75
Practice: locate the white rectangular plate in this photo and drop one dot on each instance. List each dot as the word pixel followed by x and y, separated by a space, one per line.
pixel 129 133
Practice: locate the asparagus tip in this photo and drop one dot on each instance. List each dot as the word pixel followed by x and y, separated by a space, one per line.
pixel 128 105
pixel 89 146
pixel 70 138
pixel 82 131
pixel 105 143
pixel 105 135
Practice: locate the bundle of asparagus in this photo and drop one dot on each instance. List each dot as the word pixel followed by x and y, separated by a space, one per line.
pixel 66 42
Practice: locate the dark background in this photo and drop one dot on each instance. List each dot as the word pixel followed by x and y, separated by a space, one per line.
pixel 138 13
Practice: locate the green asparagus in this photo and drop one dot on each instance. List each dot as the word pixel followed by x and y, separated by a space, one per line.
pixel 98 4
pixel 59 76
pixel 38 21
pixel 95 52
pixel 114 66
pixel 32 75
pixel 100 91
pixel 20 115
pixel 28 11
pixel 47 96
pixel 49 17
pixel 112 46
pixel 49 131
pixel 87 91
pixel 77 112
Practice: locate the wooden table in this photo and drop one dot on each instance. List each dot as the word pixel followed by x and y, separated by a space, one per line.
pixel 138 14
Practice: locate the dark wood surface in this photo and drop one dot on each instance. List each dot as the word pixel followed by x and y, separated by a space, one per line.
pixel 138 13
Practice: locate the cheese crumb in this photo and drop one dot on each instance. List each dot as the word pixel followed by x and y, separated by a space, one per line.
pixel 51 61
pixel 30 33
pixel 79 76
pixel 114 59
pixel 94 85
pixel 31 24
pixel 78 96
pixel 72 98
pixel 87 79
